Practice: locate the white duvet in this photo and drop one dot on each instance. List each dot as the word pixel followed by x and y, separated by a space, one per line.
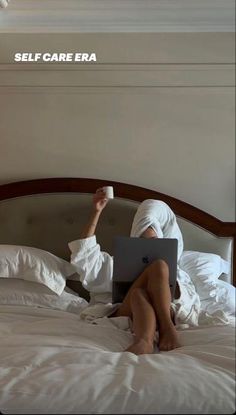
pixel 51 362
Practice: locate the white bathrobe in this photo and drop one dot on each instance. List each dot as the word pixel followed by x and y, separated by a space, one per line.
pixel 95 267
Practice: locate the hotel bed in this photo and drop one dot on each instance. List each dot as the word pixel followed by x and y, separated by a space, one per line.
pixel 52 361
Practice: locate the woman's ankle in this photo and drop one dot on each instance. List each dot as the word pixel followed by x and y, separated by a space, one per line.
pixel 141 346
pixel 145 339
pixel 166 325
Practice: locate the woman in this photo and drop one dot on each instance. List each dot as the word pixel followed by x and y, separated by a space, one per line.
pixel 148 301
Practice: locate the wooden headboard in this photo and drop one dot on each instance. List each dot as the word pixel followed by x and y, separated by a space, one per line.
pixel 127 193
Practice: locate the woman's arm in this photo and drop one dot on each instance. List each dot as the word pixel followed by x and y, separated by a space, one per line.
pixel 94 268
pixel 99 203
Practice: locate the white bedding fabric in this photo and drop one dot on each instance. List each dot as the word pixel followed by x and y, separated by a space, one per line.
pixel 19 292
pixel 52 362
pixel 36 265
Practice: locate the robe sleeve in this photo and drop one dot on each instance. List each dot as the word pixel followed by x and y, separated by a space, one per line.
pixel 94 267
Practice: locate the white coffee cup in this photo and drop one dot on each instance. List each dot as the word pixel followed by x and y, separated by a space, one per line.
pixel 109 192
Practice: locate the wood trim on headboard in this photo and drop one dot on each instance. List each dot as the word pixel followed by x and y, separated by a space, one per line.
pixel 127 191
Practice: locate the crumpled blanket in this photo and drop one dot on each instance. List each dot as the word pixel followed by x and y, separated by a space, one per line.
pixel 100 314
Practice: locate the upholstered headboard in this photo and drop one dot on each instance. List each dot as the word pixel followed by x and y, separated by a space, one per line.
pixel 48 213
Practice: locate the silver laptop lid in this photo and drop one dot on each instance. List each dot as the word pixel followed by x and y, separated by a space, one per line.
pixel 132 255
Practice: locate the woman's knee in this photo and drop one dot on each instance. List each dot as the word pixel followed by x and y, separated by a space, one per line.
pixel 159 266
pixel 159 273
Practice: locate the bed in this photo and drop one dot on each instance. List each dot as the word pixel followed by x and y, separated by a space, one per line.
pixel 53 362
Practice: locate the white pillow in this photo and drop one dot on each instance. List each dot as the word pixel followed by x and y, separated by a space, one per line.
pixel 204 263
pixel 19 292
pixel 204 269
pixel 33 264
pixel 223 298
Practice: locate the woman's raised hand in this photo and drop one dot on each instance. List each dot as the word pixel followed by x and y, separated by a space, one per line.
pixel 99 200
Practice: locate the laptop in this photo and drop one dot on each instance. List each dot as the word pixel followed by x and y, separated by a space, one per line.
pixel 132 255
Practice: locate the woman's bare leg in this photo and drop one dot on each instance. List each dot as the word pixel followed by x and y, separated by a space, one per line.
pixel 144 322
pixel 159 291
pixel 155 281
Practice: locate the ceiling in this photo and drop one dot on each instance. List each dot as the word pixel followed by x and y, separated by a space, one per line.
pixel 91 16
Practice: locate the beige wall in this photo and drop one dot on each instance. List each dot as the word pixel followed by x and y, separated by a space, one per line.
pixel 156 111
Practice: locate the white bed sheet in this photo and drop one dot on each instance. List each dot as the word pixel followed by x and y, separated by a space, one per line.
pixel 52 362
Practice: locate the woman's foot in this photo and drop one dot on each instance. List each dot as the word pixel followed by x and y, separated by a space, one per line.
pixel 168 339
pixel 141 346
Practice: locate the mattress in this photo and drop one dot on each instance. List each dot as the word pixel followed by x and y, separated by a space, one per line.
pixel 53 362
